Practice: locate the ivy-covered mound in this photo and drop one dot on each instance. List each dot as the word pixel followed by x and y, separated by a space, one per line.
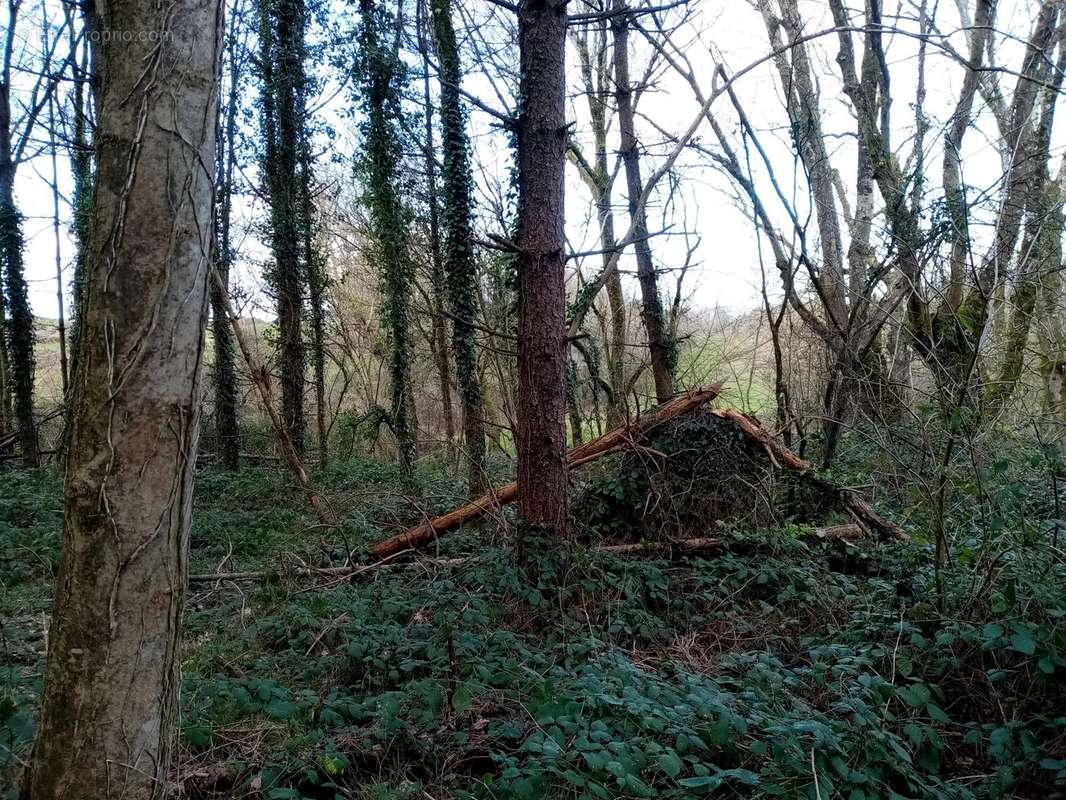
pixel 777 669
pixel 682 479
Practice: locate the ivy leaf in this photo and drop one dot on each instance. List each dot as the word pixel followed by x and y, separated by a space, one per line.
pixel 1023 640
pixel 197 735
pixel 670 764
pixel 281 709
pixel 462 698
pixel 937 713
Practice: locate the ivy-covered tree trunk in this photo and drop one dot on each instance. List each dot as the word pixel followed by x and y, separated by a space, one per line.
pixel 81 168
pixel 315 265
pixel 225 371
pixel 5 388
pixel 18 328
pixel 382 73
pixel 660 346
pixel 438 340
pixel 573 402
pixel 459 263
pixel 282 49
pixel 542 483
pixel 110 706
pixel 18 323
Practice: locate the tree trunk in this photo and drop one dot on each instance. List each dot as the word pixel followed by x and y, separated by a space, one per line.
pixel 18 323
pixel 111 689
pixel 460 266
pixel 382 85
pixel 18 331
pixel 611 442
pixel 573 402
pixel 61 326
pixel 5 374
pixel 659 344
pixel 281 39
pixel 314 264
pixel 81 167
pixel 599 179
pixel 439 336
pixel 225 372
pixel 542 500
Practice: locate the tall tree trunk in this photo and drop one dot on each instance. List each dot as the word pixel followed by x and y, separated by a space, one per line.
pixel 383 77
pixel 439 337
pixel 111 688
pixel 542 499
pixel 599 179
pixel 281 38
pixel 460 266
pixel 18 331
pixel 5 375
pixel 18 323
pixel 314 264
pixel 659 343
pixel 81 167
pixel 61 325
pixel 1041 247
pixel 227 433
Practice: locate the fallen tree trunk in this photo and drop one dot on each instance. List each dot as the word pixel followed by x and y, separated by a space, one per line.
pixel 431 529
pixel 784 458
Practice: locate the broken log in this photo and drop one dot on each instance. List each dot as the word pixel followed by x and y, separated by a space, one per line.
pixel 784 458
pixel 714 544
pixel 426 532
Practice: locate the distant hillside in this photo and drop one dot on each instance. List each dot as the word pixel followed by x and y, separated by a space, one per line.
pixel 48 380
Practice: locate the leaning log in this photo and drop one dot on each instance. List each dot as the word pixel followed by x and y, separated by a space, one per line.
pixel 782 457
pixel 426 532
pixel 262 384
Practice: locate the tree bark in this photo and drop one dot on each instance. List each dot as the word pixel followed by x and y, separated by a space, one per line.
pixel 660 346
pixel 61 325
pixel 382 76
pixel 439 320
pixel 315 267
pixel 460 266
pixel 5 389
pixel 541 267
pixel 81 167
pixel 18 329
pixel 111 688
pixel 225 373
pixel 281 40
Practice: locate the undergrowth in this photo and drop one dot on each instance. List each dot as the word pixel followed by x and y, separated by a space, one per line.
pixel 777 668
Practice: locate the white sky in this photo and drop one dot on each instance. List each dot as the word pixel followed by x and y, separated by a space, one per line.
pixel 727 271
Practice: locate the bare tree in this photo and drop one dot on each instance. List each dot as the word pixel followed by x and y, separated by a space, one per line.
pixel 597 74
pixel 660 346
pixel 16 131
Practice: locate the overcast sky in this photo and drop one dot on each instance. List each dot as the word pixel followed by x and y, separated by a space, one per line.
pixel 730 32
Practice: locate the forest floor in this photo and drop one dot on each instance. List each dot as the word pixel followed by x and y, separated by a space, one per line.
pixel 780 667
